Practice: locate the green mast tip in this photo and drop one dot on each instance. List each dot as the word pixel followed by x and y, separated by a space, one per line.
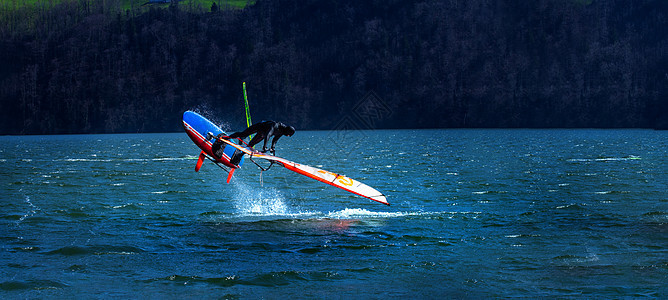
pixel 248 117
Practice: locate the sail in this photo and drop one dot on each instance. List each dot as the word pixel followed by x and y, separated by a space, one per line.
pixel 337 180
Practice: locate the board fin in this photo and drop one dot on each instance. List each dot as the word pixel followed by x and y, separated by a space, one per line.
pixel 229 174
pixel 200 160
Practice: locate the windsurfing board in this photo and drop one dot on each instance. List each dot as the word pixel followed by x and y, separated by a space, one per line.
pixel 198 127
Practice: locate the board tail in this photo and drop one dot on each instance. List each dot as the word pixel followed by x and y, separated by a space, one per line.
pixel 200 160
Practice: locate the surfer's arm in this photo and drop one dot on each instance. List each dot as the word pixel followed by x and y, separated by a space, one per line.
pixel 264 145
pixel 273 142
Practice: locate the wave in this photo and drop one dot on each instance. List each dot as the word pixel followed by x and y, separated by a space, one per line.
pixel 84 160
pixel 168 192
pixel 31 285
pixel 363 213
pixel 570 258
pixel 359 214
pixel 489 192
pixel 273 279
pixel 612 192
pixel 656 216
pixel 270 279
pixel 126 205
pixel 573 206
pixel 32 210
pixel 182 280
pixel 96 250
pixel 27 249
pixel 655 213
pixel 522 235
pixel 604 159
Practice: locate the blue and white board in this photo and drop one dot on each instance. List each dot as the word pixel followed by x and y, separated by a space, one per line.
pixel 197 127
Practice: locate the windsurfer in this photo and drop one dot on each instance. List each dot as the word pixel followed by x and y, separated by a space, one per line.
pixel 263 131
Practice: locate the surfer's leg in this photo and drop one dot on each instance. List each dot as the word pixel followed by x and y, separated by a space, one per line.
pixel 237 135
pixel 244 134
pixel 256 139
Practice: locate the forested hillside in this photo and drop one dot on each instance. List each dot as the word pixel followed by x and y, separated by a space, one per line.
pixel 87 66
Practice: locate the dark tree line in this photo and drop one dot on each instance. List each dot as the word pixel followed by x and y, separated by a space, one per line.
pixel 87 66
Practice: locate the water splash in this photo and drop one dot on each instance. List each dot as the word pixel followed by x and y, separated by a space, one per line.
pixel 258 201
pixel 207 112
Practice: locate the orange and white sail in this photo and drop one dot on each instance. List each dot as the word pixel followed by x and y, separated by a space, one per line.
pixel 337 180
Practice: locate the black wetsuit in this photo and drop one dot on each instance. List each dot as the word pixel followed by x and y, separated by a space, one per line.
pixel 263 131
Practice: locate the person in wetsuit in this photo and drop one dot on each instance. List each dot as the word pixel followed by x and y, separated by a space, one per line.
pixel 263 131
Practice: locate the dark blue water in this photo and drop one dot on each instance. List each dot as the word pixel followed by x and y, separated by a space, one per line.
pixel 475 213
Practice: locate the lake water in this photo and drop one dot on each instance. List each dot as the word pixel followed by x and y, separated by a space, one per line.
pixel 475 213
